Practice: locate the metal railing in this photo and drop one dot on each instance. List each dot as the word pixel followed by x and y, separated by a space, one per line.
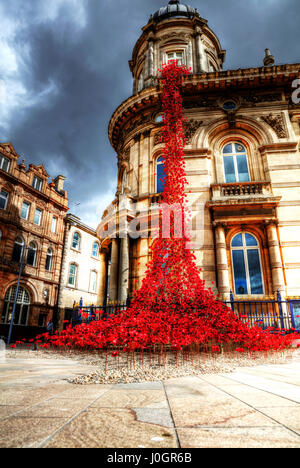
pixel 265 313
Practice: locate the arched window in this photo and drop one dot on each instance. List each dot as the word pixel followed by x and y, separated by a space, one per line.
pixel 95 252
pixel 160 174
pixel 72 275
pixel 17 250
pixel 76 241
pixel 235 163
pixel 3 199
pixel 31 254
pixel 22 306
pixel 49 260
pixel 247 267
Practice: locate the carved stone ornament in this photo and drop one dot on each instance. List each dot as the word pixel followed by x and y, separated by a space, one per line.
pixel 191 126
pixel 277 122
pixel 157 138
pixel 124 156
pixel 175 36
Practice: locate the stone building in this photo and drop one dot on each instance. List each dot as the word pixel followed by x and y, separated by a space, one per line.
pixel 81 267
pixel 32 212
pixel 242 164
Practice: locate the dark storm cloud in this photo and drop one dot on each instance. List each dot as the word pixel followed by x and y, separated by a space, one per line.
pixel 65 64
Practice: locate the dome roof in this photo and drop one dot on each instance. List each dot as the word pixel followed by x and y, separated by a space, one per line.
pixel 175 9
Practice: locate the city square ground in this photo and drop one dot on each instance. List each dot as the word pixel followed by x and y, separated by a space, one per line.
pixel 250 406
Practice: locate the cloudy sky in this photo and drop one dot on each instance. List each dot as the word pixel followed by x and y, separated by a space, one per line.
pixel 64 70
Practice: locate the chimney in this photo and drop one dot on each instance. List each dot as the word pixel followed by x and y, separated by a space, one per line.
pixel 59 182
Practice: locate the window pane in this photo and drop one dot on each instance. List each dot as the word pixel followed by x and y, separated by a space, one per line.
pixel 3 199
pixel 75 243
pixel 48 261
pixel 239 272
pixel 255 272
pixel 4 163
pixel 31 256
pixel 53 224
pixel 37 217
pixel 37 183
pixel 16 255
pixel 250 240
pixel 160 174
pixel 25 210
pixel 229 169
pixel 242 168
pixel 228 149
pixel 237 241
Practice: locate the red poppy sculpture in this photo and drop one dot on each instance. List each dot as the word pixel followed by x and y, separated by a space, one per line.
pixel 172 308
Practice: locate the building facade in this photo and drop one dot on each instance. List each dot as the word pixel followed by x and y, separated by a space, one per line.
pixel 32 212
pixel 242 164
pixel 81 268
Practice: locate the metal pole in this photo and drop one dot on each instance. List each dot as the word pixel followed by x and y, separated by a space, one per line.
pixel 16 295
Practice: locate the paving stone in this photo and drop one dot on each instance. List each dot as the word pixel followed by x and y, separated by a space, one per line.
pixel 107 428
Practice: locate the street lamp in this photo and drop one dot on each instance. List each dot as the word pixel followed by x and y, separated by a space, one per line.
pixel 16 294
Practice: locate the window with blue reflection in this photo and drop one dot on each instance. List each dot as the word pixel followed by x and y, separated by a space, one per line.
pixel 160 174
pixel 247 270
pixel 235 163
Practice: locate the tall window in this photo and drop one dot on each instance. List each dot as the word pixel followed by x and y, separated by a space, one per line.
pixel 3 199
pixel 49 260
pixel 95 252
pixel 4 163
pixel 175 56
pixel 93 281
pixel 22 306
pixel 38 217
pixel 235 163
pixel 76 241
pixel 160 174
pixel 72 275
pixel 247 268
pixel 17 250
pixel 53 224
pixel 37 183
pixel 31 254
pixel 25 210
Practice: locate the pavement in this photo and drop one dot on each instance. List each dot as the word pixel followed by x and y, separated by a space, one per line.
pixel 253 407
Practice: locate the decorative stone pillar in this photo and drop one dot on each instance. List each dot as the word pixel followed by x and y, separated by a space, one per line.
pixel 114 270
pixel 222 265
pixel 150 58
pixel 124 269
pixel 200 53
pixel 103 279
pixel 275 258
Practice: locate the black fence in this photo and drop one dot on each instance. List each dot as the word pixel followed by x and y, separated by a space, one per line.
pixel 283 315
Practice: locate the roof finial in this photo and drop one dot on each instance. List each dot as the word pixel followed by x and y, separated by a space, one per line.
pixel 269 59
pixel 173 2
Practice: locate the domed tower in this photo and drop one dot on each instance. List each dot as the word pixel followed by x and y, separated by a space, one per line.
pixel 240 129
pixel 175 31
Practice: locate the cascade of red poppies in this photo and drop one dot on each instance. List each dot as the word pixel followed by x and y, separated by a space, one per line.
pixel 172 307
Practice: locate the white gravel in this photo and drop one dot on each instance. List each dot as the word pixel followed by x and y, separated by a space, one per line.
pixel 129 369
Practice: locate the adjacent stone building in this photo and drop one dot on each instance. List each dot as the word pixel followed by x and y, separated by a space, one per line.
pixel 81 268
pixel 32 212
pixel 242 164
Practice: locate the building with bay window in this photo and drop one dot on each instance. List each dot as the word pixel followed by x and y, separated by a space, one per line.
pixel 242 164
pixel 32 211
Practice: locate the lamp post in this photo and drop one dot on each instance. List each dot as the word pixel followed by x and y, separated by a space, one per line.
pixel 16 294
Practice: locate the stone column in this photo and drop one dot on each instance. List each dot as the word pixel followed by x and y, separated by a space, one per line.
pixel 222 265
pixel 200 53
pixel 114 267
pixel 103 279
pixel 150 58
pixel 275 259
pixel 124 270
